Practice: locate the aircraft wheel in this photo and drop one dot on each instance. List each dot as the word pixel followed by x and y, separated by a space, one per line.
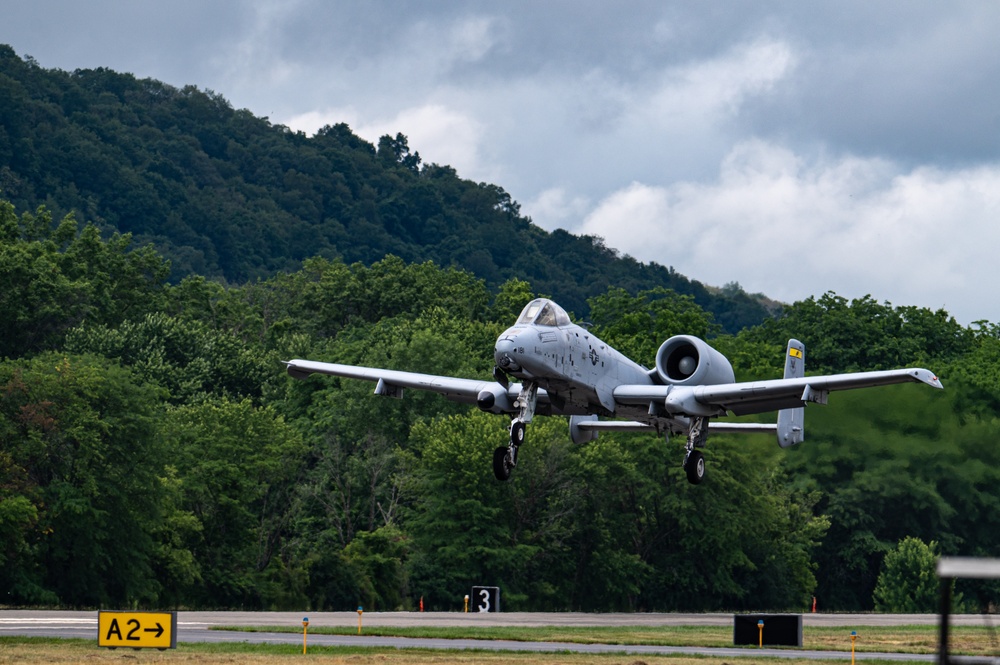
pixel 694 465
pixel 517 429
pixel 501 463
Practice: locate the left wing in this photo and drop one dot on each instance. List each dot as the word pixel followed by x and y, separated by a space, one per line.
pixel 763 396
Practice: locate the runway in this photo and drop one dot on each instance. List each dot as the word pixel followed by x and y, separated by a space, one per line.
pixel 196 627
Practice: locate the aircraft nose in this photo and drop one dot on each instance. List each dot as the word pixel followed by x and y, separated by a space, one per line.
pixel 504 354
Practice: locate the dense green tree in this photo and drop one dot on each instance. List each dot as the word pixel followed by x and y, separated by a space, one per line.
pixel 378 559
pixel 467 529
pixel 741 538
pixel 891 463
pixel 909 582
pixel 81 492
pixel 510 299
pixel 187 358
pixel 863 334
pixel 53 278
pixel 238 466
pixel 342 295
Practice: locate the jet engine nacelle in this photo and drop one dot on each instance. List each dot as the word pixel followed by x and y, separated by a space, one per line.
pixel 494 399
pixel 684 360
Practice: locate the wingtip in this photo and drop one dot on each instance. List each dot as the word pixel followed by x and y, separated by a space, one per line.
pixel 294 370
pixel 928 377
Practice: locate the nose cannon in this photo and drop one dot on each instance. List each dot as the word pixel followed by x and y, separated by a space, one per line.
pixel 504 354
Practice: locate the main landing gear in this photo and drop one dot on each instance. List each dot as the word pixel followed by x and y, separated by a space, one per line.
pixel 694 461
pixel 505 458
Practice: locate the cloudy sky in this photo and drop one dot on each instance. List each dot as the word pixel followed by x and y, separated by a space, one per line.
pixel 793 147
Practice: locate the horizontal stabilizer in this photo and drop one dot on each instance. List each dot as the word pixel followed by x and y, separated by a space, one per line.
pixel 636 426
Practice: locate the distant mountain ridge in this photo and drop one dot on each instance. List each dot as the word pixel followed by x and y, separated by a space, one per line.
pixel 226 194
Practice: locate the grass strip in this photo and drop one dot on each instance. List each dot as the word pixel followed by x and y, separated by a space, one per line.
pixel 922 639
pixel 55 651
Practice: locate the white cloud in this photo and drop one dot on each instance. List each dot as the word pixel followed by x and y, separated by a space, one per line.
pixel 554 207
pixel 599 132
pixel 791 228
pixel 440 134
pixel 717 86
pixel 469 39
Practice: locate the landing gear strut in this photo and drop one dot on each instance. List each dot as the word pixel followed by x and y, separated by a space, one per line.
pixel 694 461
pixel 505 459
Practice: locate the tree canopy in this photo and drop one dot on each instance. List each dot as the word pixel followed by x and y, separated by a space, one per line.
pixel 151 444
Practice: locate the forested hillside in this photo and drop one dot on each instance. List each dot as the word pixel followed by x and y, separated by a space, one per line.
pixel 224 194
pixel 153 453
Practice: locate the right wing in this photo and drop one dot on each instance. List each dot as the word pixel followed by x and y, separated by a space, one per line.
pixel 391 382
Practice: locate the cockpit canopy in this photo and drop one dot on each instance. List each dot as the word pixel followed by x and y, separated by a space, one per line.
pixel 542 312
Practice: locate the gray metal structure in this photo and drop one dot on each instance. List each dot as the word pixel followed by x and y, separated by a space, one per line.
pixel 949 569
pixel 564 369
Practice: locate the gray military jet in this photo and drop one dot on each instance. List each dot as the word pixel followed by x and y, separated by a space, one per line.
pixel 565 370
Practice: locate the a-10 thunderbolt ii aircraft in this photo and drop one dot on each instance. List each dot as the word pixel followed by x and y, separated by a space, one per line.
pixel 565 370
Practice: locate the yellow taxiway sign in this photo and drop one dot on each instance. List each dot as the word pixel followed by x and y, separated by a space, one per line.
pixel 137 630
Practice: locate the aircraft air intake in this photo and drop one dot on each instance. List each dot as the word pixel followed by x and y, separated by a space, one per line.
pixel 685 360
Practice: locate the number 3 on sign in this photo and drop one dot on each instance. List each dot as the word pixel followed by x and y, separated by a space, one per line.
pixel 486 598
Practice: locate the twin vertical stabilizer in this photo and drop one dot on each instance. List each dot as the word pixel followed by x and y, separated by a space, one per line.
pixel 792 421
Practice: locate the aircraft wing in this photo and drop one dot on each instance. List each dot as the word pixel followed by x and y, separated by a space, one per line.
pixel 763 396
pixel 391 382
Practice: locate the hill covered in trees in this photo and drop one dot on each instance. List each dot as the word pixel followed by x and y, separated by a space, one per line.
pixel 224 194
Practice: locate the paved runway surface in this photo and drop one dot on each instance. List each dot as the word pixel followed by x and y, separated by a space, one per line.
pixel 195 627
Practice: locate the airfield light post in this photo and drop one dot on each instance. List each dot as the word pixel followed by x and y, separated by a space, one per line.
pixel 360 612
pixel 305 628
pixel 466 603
pixel 760 631
pixel 854 636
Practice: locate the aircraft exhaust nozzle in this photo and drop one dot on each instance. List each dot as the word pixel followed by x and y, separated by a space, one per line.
pixel 688 361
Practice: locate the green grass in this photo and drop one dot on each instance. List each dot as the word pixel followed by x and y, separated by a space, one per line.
pixel 970 640
pixel 53 651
